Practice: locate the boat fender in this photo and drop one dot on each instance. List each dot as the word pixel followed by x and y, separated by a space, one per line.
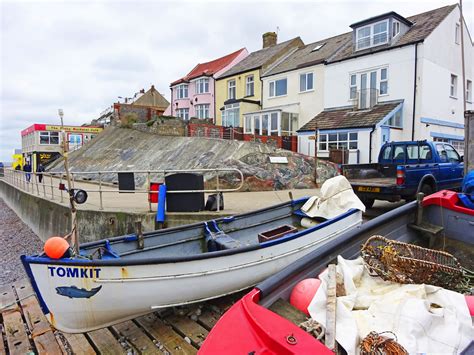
pixel 56 247
pixel 308 222
pixel 303 293
pixel 160 212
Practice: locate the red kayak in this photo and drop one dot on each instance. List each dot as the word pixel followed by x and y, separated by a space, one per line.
pixel 249 327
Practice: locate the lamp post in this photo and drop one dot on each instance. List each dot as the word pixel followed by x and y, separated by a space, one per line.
pixel 74 232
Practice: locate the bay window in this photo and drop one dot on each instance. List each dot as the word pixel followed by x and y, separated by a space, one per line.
pixel 372 35
pixel 269 123
pixel 182 91
pixel 183 113
pixel 231 115
pixel 202 111
pixel 202 86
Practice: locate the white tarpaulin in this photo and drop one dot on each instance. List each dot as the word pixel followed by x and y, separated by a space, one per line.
pixel 336 198
pixel 426 319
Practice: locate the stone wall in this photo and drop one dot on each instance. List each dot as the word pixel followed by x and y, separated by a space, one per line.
pixel 163 127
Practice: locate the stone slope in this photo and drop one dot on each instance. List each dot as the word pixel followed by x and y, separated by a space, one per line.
pixel 130 150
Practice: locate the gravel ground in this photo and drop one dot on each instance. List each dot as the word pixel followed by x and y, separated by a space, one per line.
pixel 16 238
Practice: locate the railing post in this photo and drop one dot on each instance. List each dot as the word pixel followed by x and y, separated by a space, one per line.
pixel 36 183
pixel 148 181
pixel 52 190
pixel 100 191
pixel 218 192
pixel 61 191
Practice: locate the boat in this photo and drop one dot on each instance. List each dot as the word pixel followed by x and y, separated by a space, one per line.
pixel 117 279
pixel 258 328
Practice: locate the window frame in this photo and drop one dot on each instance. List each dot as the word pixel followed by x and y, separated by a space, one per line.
pixel 202 110
pixel 305 75
pixel 395 28
pixel 352 86
pixel 468 90
pixel 231 89
pixel 235 109
pixel 273 84
pixel 324 140
pixel 453 91
pixel 383 81
pixel 201 85
pixel 249 84
pixel 371 35
pixel 49 135
pixel 180 90
pixel 457 34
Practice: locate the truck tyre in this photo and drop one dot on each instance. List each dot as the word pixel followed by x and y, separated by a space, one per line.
pixel 368 202
pixel 426 189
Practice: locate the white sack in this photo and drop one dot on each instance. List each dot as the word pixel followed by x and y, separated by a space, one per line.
pixel 336 198
pixel 409 311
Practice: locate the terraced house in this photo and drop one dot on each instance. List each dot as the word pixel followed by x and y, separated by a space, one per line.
pixel 395 78
pixel 239 90
pixel 192 96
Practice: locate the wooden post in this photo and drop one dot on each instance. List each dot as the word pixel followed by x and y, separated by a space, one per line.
pixel 330 338
pixel 316 156
pixel 139 233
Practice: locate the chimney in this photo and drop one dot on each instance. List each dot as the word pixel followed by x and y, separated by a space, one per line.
pixel 269 39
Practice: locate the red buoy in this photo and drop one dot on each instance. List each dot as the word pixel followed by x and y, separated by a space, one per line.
pixel 470 304
pixel 56 247
pixel 303 293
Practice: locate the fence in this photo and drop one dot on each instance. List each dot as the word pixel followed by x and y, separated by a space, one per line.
pixel 48 187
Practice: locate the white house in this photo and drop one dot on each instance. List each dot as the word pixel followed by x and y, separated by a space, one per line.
pixel 396 78
pixel 293 88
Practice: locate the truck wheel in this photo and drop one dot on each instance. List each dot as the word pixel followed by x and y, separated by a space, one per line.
pixel 368 202
pixel 426 189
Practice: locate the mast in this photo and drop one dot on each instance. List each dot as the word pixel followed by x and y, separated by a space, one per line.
pixel 74 232
pixel 467 140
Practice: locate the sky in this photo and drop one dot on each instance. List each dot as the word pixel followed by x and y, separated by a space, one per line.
pixel 80 56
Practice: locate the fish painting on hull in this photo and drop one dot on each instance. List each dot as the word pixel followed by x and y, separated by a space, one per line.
pixel 74 292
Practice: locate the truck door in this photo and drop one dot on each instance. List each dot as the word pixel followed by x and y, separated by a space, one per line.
pixel 445 167
pixel 457 169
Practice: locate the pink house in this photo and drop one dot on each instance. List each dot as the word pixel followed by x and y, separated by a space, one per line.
pixel 193 95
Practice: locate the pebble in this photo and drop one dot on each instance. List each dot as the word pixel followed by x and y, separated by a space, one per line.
pixel 16 239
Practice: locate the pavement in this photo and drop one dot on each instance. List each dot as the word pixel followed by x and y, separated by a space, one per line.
pixel 112 200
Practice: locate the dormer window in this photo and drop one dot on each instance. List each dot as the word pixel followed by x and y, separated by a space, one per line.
pixel 372 35
pixel 395 28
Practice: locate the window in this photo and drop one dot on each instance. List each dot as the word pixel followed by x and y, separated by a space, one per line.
pixel 415 153
pixel 264 125
pixel 318 47
pixel 399 153
pixel 469 91
pixel 457 34
pixel 341 140
pixel 274 124
pixel 202 86
pixel 248 124
pixel 256 125
pixel 396 120
pixel 453 156
pixel 202 111
pixel 277 88
pixel 49 138
pixel 249 85
pixel 231 115
pixel 443 156
pixel 306 82
pixel 183 113
pixel 458 145
pixel 454 86
pixel 353 87
pixel 387 153
pixel 231 89
pixel 182 91
pixel 383 81
pixel 395 28
pixel 372 35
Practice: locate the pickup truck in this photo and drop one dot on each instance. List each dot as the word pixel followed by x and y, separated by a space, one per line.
pixel 404 169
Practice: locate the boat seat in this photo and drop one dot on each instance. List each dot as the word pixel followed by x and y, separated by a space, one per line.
pixel 218 240
pixel 224 241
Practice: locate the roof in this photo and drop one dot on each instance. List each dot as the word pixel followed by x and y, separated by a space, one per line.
pixel 262 57
pixel 209 68
pixel 380 17
pixel 424 24
pixel 152 98
pixel 307 56
pixel 346 117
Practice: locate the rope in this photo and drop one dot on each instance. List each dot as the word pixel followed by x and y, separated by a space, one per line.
pixel 14 303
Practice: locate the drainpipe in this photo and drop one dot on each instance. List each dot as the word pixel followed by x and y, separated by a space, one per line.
pixel 171 112
pixel 214 118
pixel 370 144
pixel 414 94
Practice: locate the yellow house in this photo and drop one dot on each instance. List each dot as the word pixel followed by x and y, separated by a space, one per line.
pixel 239 89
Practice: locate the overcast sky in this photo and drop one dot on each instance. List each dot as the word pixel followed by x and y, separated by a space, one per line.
pixel 80 56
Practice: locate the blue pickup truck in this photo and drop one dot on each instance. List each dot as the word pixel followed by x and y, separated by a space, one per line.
pixel 404 169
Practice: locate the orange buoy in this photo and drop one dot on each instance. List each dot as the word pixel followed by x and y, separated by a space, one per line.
pixel 303 293
pixel 56 247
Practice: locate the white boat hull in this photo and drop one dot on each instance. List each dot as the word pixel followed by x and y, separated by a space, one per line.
pixel 82 298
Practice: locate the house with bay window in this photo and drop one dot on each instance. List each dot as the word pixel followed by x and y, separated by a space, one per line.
pixel 396 78
pixel 239 90
pixel 193 96
pixel 293 90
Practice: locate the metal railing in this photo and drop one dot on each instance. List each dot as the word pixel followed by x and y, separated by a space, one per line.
pixel 365 99
pixel 46 184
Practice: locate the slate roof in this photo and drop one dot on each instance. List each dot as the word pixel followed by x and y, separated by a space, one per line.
pixel 209 68
pixel 424 24
pixel 346 117
pixel 305 57
pixel 262 57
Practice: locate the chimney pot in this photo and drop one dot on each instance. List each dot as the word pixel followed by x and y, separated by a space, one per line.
pixel 269 39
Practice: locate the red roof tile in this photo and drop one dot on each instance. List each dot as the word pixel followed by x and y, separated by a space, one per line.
pixel 209 68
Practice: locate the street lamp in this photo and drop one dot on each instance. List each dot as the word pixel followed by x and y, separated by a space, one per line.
pixel 61 115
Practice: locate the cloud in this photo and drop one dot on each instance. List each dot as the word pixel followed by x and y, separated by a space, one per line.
pixel 82 55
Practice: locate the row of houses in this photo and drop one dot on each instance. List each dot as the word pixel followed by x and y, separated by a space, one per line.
pixel 388 78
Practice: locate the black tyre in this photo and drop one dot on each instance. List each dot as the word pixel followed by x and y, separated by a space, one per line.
pixel 368 202
pixel 426 189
